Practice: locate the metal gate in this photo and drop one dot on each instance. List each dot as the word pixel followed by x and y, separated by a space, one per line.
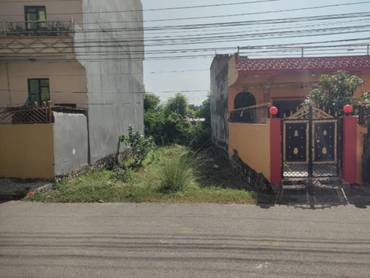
pixel 311 144
pixel 366 157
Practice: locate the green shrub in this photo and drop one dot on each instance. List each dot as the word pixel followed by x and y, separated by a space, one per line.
pixel 137 148
pixel 175 175
pixel 335 90
pixel 123 175
pixel 171 123
pixel 200 136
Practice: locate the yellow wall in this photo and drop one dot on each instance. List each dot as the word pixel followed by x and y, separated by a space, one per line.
pixel 252 141
pixel 26 151
pixel 67 82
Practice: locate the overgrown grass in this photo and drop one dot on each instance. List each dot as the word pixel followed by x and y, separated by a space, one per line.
pixel 169 174
pixel 175 175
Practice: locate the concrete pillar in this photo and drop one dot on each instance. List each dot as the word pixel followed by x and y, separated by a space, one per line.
pixel 349 149
pixel 275 151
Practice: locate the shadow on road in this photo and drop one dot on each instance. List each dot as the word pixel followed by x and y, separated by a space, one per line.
pixel 319 198
pixel 359 196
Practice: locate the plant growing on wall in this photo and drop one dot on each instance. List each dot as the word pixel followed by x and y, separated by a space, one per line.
pixel 335 90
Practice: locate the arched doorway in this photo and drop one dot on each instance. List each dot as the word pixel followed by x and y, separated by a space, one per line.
pixel 244 99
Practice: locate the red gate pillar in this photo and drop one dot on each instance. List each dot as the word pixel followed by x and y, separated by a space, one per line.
pixel 349 149
pixel 275 151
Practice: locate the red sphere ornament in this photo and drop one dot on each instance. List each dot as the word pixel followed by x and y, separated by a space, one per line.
pixel 274 110
pixel 348 109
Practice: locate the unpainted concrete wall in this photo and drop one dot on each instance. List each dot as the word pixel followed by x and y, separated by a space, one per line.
pixel 115 84
pixel 219 93
pixel 70 143
pixel 252 143
pixel 26 151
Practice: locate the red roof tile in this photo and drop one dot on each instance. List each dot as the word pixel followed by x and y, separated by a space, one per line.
pixel 303 64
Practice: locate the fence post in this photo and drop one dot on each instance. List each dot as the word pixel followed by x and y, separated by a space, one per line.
pixel 349 148
pixel 275 151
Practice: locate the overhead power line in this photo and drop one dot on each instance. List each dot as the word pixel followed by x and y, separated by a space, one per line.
pixel 117 30
pixel 134 41
pixel 242 14
pixel 164 9
pixel 58 59
pixel 232 38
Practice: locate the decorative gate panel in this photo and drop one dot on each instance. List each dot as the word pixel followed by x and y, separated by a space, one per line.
pixel 310 144
pixel 295 148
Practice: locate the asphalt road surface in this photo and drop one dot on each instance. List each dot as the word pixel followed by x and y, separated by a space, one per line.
pixel 159 240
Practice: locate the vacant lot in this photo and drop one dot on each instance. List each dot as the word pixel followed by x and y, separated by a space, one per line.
pixel 205 179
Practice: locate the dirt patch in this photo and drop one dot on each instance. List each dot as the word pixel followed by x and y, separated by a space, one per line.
pixel 14 189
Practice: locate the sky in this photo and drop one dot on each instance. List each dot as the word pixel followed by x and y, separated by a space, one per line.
pixel 166 77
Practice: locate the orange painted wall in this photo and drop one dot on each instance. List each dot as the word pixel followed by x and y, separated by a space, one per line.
pixel 252 141
pixel 269 87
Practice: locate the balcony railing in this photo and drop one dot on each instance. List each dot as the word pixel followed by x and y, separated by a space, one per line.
pixel 35 114
pixel 252 114
pixel 26 115
pixel 36 28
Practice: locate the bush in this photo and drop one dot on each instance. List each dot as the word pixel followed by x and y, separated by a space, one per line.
pixel 123 175
pixel 200 137
pixel 138 148
pixel 335 90
pixel 172 122
pixel 175 175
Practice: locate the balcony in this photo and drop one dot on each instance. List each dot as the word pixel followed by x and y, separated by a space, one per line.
pixel 257 114
pixel 36 28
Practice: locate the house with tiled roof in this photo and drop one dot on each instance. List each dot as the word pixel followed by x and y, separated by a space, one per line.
pixel 294 143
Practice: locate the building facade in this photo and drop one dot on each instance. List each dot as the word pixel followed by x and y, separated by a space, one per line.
pixel 243 90
pixel 85 54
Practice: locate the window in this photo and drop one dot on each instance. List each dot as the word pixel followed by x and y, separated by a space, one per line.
pixel 243 100
pixel 287 107
pixel 35 17
pixel 38 91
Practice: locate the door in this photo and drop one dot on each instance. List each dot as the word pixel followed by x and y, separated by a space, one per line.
pixel 310 144
pixel 35 17
pixel 38 91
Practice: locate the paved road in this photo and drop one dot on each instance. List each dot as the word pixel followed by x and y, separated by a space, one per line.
pixel 157 240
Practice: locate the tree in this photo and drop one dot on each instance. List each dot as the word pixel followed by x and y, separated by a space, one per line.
pixel 177 105
pixel 170 124
pixel 335 90
pixel 201 132
pixel 205 111
pixel 151 102
pixel 365 100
